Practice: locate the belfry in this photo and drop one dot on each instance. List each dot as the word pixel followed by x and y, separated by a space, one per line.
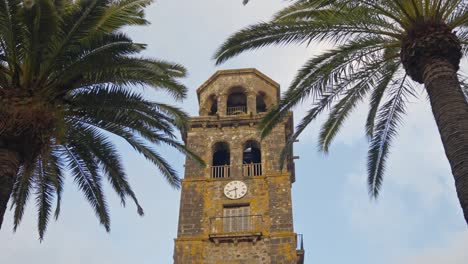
pixel 238 208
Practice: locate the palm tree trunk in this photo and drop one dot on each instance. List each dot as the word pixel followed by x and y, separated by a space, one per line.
pixel 9 165
pixel 450 110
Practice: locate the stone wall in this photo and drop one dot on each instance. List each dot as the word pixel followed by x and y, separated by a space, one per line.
pixel 202 138
pixel 250 80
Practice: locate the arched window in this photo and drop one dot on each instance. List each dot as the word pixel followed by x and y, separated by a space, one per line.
pixel 252 159
pixel 221 160
pixel 236 102
pixel 261 105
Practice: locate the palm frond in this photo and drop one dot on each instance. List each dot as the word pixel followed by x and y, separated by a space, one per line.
pixel 125 71
pixel 377 95
pixel 360 83
pixel 85 172
pixel 150 154
pixel 21 191
pixel 164 167
pixel 107 158
pixel 320 74
pixel 389 117
pixel 122 13
pixel 47 185
pixel 42 23
pixel 11 32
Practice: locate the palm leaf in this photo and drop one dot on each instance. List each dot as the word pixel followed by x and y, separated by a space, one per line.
pixel 21 191
pixel 49 183
pixel 388 120
pixel 85 172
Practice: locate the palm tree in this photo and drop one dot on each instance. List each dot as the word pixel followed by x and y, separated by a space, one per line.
pixel 67 81
pixel 382 50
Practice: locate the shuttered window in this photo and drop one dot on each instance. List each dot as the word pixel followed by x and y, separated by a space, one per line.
pixel 237 219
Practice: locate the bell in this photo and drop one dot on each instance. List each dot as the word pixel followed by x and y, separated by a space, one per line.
pixel 248 155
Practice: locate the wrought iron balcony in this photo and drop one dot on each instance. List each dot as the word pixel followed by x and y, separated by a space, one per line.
pixel 247 170
pixel 236 228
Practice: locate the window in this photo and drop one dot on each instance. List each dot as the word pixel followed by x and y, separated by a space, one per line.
pixel 261 106
pixel 237 218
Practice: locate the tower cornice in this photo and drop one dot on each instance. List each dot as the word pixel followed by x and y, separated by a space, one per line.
pixel 219 73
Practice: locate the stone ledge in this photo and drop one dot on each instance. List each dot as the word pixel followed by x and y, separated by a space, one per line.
pixel 248 119
pixel 235 237
pixel 261 177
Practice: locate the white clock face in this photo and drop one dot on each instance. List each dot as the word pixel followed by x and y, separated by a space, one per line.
pixel 235 190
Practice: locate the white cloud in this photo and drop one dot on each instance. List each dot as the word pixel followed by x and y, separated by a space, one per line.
pixel 454 251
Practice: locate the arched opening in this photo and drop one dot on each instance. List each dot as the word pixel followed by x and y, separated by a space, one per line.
pixel 261 105
pixel 252 159
pixel 237 102
pixel 213 105
pixel 221 160
pixel 221 155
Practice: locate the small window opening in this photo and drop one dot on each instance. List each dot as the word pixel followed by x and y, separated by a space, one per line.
pixel 252 159
pixel 221 161
pixel 261 106
pixel 213 105
pixel 237 102
pixel 252 153
pixel 221 155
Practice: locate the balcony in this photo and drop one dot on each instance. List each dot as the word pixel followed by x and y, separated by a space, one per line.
pixel 236 228
pixel 223 171
pixel 247 170
pixel 252 169
pixel 236 110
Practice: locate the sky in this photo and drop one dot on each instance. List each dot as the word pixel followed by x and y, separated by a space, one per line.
pixel 416 220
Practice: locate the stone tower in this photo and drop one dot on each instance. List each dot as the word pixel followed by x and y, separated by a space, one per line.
pixel 237 209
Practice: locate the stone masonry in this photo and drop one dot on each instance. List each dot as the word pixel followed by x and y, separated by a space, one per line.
pixel 267 234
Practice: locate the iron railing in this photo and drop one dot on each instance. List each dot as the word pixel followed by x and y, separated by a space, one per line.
pixel 223 171
pixel 236 224
pixel 299 242
pixel 236 110
pixel 247 170
pixel 252 169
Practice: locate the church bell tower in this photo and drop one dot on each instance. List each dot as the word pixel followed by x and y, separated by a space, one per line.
pixel 238 208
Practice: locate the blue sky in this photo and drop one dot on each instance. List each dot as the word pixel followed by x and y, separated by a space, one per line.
pixel 416 220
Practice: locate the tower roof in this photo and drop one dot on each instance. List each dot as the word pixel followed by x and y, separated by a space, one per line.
pixel 242 71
